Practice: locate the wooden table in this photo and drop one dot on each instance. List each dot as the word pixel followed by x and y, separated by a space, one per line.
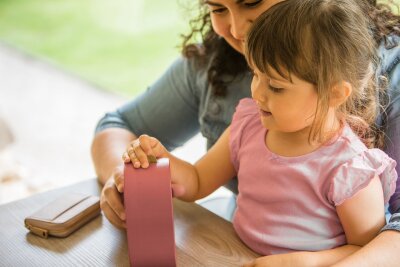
pixel 201 237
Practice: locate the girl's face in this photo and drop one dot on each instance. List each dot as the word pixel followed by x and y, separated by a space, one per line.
pixel 231 19
pixel 285 106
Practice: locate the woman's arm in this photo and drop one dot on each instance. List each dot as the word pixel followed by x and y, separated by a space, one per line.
pixel 107 149
pixel 382 251
pixel 305 258
pixel 167 110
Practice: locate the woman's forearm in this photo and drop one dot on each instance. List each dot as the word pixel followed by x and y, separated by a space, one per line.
pixel 331 256
pixel 107 149
pixel 383 250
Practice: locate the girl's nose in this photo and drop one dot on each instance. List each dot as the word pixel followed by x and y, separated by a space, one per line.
pixel 239 26
pixel 258 95
pixel 260 100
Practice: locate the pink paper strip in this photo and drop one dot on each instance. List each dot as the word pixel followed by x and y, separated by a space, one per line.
pixel 149 215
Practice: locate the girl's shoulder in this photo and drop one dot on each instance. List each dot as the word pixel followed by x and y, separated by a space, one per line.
pixel 357 167
pixel 245 124
pixel 246 114
pixel 246 107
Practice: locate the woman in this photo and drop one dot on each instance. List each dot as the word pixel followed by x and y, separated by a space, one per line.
pixel 199 92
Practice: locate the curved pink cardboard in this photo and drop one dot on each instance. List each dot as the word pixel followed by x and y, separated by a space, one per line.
pixel 149 215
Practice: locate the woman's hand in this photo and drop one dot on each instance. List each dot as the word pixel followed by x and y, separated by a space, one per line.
pixel 297 259
pixel 143 148
pixel 111 198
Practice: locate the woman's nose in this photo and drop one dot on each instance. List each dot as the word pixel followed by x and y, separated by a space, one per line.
pixel 239 26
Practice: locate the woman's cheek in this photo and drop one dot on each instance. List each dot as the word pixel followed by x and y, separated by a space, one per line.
pixel 219 27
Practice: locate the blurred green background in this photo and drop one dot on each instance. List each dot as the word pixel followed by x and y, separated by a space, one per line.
pixel 120 45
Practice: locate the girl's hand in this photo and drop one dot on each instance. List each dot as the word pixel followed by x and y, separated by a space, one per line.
pixel 143 148
pixel 140 152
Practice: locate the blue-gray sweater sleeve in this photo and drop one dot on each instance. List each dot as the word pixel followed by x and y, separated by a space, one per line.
pixel 167 110
pixel 390 58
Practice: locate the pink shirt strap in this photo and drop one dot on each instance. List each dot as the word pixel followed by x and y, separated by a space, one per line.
pixel 149 215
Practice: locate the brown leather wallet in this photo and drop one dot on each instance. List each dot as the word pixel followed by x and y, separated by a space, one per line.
pixel 64 215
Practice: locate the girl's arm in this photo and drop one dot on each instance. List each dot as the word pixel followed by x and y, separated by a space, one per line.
pixel 363 215
pixel 189 182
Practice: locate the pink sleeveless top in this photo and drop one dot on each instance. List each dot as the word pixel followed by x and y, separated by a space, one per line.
pixel 288 203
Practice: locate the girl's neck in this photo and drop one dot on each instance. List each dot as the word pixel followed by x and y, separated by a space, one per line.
pixel 295 144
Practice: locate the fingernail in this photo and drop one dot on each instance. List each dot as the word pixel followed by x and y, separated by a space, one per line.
pixel 123 216
pixel 152 159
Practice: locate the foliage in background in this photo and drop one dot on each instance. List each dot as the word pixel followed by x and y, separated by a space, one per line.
pixel 120 45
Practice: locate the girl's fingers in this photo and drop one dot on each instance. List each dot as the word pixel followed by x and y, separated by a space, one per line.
pixel 125 157
pixel 141 158
pixel 132 157
pixel 143 151
pixel 157 149
pixel 177 190
pixel 138 156
pixel 146 144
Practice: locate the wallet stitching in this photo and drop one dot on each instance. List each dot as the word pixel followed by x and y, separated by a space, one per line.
pixel 58 215
pixel 62 212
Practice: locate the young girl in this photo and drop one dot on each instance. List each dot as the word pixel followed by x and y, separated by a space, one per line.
pixel 307 182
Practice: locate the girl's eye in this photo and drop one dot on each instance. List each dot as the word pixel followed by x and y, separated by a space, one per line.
pixel 252 4
pixel 275 89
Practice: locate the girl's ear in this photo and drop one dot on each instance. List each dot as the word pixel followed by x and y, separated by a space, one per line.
pixel 340 92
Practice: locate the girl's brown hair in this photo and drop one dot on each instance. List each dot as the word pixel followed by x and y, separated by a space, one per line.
pixel 323 42
pixel 221 60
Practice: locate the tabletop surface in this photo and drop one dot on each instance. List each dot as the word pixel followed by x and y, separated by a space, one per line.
pixel 201 237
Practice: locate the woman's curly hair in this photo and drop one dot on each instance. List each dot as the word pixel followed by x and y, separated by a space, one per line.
pixel 385 21
pixel 223 61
